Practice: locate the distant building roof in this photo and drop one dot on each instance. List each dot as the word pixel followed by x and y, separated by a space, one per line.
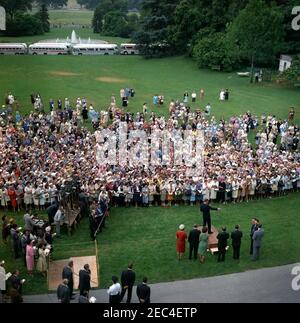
pixel 287 58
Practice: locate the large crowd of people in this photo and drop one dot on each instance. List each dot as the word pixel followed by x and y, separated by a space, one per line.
pixel 41 153
pixel 45 156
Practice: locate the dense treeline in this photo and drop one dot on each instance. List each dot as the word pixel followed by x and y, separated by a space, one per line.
pixel 224 33
pixel 21 23
pixel 111 18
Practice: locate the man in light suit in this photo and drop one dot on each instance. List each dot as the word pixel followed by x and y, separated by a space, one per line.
pixel 257 241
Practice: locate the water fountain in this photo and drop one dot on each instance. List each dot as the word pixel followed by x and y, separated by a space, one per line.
pixel 75 39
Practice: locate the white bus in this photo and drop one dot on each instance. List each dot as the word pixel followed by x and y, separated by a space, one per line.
pixel 129 49
pixel 13 49
pixel 49 49
pixel 95 49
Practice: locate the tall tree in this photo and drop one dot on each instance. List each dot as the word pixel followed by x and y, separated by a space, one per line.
pixel 155 32
pixel 13 6
pixel 43 16
pixel 257 32
pixel 105 7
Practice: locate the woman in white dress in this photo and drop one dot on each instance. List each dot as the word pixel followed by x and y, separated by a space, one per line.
pixel 213 189
pixel 42 198
pixel 4 197
pixel 205 190
pixel 235 189
pixel 41 264
pixel 28 196
pixel 36 196
pixel 252 187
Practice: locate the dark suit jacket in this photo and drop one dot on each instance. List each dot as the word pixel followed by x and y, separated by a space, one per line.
pixel 194 237
pixel 63 293
pixel 222 240
pixel 236 237
pixel 84 280
pixel 68 274
pixel 143 292
pixel 253 229
pixel 205 209
pixel 16 282
pixel 127 278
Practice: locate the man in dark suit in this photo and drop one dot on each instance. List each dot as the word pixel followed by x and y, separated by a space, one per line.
pixel 143 292
pixel 222 244
pixel 84 279
pixel 63 293
pixel 51 210
pixel 193 240
pixel 16 282
pixel 205 209
pixel 257 241
pixel 68 274
pixel 254 226
pixel 127 282
pixel 236 237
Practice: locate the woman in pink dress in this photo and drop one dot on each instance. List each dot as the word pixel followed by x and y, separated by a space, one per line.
pixel 30 257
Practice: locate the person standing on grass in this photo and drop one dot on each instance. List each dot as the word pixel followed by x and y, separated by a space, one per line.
pixel 30 257
pixel 236 237
pixel 257 241
pixel 203 244
pixel 254 227
pixel 143 292
pixel 127 281
pixel 193 240
pixel 58 219
pixel 222 244
pixel 181 237
pixel 67 273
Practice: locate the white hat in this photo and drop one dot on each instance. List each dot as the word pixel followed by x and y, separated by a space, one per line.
pixel 48 229
pixel 92 299
pixel 181 227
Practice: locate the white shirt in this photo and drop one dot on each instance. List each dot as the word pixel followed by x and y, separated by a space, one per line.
pixel 58 216
pixel 114 289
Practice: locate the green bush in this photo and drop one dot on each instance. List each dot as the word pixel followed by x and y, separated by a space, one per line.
pixel 24 25
pixel 213 50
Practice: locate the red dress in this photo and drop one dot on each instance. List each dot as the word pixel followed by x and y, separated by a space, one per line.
pixel 180 242
pixel 13 197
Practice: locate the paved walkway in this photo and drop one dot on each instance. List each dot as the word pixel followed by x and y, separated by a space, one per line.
pixel 268 285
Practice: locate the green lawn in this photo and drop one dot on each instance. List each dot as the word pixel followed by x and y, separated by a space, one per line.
pixel 72 77
pixel 76 17
pixel 147 237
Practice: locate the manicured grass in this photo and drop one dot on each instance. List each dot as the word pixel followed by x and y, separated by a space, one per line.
pixel 171 77
pixel 76 17
pixel 147 237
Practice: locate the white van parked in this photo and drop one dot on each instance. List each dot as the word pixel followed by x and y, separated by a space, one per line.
pixel 129 49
